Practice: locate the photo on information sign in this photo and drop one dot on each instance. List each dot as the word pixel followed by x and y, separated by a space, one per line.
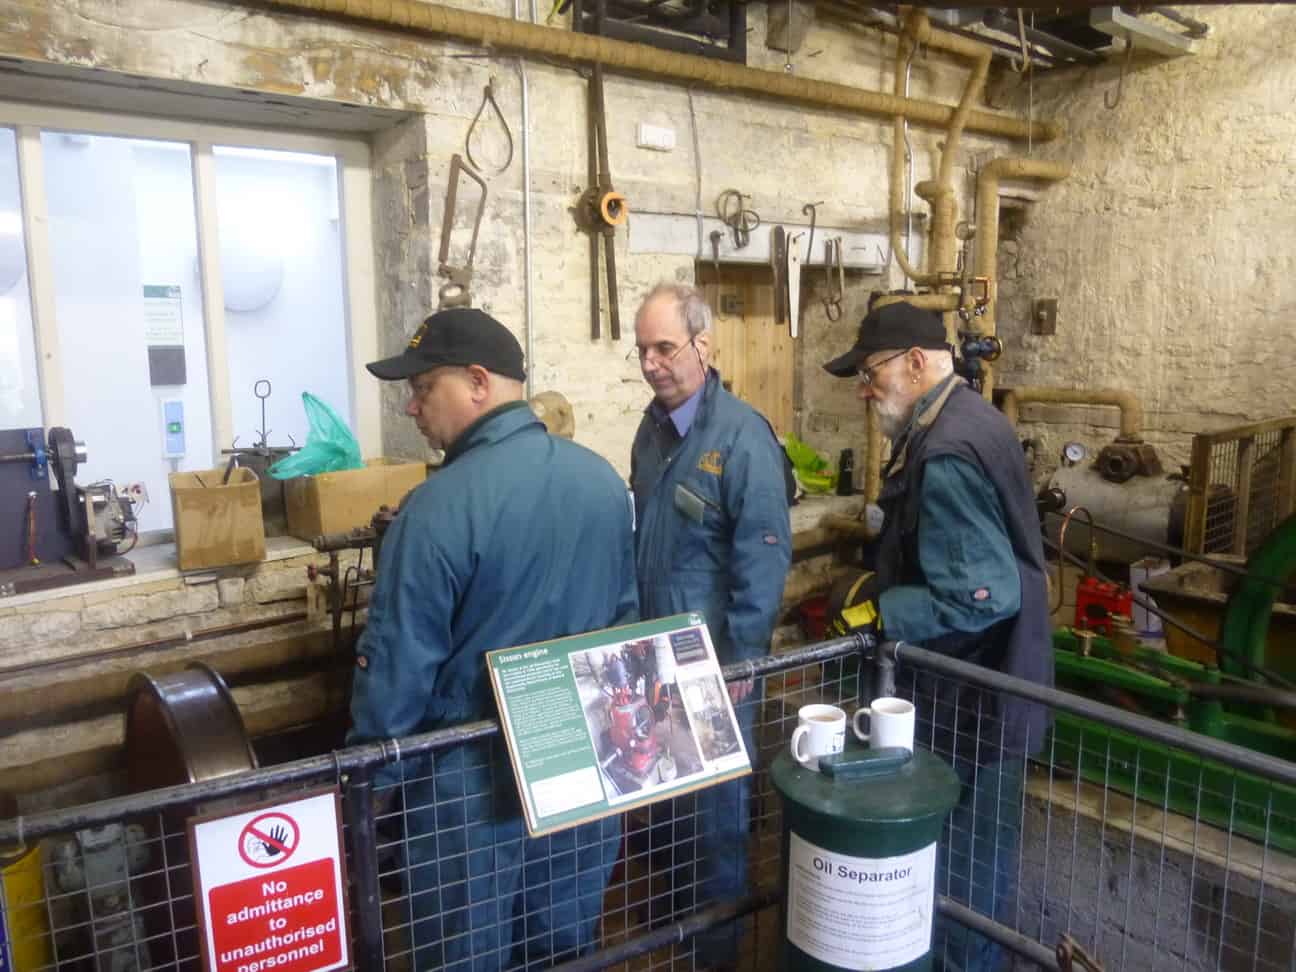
pixel 635 714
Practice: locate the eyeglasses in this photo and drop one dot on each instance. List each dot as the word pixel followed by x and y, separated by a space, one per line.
pixel 869 372
pixel 657 351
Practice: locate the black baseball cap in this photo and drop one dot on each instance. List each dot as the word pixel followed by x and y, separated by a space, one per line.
pixel 895 327
pixel 459 336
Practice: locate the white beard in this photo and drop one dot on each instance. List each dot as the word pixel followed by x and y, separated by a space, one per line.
pixel 893 416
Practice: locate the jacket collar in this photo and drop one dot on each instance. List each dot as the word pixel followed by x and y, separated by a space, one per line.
pixel 926 411
pixel 709 391
pixel 499 423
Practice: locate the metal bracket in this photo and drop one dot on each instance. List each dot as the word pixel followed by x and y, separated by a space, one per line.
pixel 40 461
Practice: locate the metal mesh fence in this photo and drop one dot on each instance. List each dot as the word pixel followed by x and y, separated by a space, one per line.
pixel 1146 854
pixel 1241 483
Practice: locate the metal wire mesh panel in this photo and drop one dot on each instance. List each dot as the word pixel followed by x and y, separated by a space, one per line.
pixel 1241 486
pixel 464 887
pixel 1148 857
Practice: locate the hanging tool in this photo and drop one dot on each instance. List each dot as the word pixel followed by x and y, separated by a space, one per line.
pixel 716 237
pixel 811 210
pixel 778 263
pixel 488 98
pixel 455 293
pixel 601 210
pixel 792 280
pixel 836 278
pixel 734 214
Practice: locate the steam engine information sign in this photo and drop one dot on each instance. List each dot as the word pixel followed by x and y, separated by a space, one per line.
pixel 270 888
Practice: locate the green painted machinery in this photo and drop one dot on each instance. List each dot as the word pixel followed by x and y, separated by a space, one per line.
pixel 1224 701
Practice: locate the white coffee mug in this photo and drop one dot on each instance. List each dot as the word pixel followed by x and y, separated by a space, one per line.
pixel 820 731
pixel 891 723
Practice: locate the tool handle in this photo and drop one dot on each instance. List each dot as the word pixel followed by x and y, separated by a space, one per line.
pixel 860 764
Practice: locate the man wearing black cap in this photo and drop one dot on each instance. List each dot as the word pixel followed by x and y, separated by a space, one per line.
pixel 960 569
pixel 520 537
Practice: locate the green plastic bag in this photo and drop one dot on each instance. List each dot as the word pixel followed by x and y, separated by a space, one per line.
pixel 812 470
pixel 330 446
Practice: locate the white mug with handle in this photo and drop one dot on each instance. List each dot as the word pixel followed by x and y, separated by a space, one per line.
pixel 820 731
pixel 891 723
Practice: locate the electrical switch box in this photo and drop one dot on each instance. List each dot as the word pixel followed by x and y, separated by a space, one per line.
pixel 173 428
pixel 655 137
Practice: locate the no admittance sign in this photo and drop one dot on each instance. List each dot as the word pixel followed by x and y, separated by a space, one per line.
pixel 270 888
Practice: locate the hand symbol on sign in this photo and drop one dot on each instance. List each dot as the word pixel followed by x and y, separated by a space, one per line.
pixel 279 835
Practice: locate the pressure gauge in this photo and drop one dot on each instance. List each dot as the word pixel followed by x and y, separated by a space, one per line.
pixel 1073 453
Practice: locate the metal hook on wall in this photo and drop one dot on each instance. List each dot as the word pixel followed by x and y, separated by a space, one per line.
pixel 1108 100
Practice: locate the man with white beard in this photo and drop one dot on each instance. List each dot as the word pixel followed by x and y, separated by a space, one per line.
pixel 960 570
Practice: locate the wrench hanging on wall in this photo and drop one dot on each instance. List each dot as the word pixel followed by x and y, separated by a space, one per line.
pixel 778 265
pixel 836 287
pixel 455 292
pixel 601 210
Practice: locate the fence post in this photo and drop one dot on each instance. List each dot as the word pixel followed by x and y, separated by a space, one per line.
pixel 366 897
pixel 884 658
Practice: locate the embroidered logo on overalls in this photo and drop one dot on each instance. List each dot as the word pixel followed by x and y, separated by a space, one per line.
pixel 711 463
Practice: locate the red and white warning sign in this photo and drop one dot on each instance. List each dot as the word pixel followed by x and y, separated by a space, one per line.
pixel 271 888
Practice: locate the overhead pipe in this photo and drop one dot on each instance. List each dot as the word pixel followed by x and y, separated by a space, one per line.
pixel 987 231
pixel 1131 410
pixel 572 46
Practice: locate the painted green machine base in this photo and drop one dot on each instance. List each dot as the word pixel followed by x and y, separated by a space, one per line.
pixel 1160 685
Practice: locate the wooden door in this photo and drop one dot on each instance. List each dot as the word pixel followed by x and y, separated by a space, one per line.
pixel 753 354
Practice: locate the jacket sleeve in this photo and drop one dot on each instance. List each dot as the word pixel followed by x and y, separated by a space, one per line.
pixel 965 554
pixel 755 496
pixel 407 635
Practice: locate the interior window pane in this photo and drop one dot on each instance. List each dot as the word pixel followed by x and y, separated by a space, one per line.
pixel 20 405
pixel 123 244
pixel 281 265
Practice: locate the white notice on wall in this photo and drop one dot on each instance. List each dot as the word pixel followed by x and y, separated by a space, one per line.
pixel 860 912
pixel 163 316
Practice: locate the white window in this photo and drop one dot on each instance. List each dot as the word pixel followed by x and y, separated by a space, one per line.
pixel 155 271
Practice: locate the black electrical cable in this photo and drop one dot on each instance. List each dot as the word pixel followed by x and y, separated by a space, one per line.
pixel 1168 619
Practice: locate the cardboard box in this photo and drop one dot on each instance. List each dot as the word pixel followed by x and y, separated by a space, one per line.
pixel 217 524
pixel 338 502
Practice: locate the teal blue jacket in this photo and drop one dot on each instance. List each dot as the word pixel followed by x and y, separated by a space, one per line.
pixel 713 530
pixel 520 537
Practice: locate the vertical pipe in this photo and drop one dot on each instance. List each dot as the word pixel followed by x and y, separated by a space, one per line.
pixel 528 286
pixel 367 899
pixel 987 230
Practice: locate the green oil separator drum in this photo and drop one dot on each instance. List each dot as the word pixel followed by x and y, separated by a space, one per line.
pixel 859 858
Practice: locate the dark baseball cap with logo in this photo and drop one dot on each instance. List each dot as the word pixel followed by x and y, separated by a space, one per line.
pixel 460 336
pixel 895 327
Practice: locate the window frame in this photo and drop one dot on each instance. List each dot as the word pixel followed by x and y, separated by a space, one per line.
pixel 352 158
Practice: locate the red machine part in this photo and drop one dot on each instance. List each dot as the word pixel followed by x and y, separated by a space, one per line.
pixel 1097 601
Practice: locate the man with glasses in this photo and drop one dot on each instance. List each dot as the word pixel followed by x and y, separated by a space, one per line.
pixel 711 489
pixel 519 537
pixel 960 569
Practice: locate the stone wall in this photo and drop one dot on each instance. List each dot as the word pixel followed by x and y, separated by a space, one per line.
pixel 783 155
pixel 1171 248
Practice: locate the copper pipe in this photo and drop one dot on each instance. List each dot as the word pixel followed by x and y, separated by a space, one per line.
pixel 500 33
pixel 987 231
pixel 940 194
pixel 936 302
pixel 1131 410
